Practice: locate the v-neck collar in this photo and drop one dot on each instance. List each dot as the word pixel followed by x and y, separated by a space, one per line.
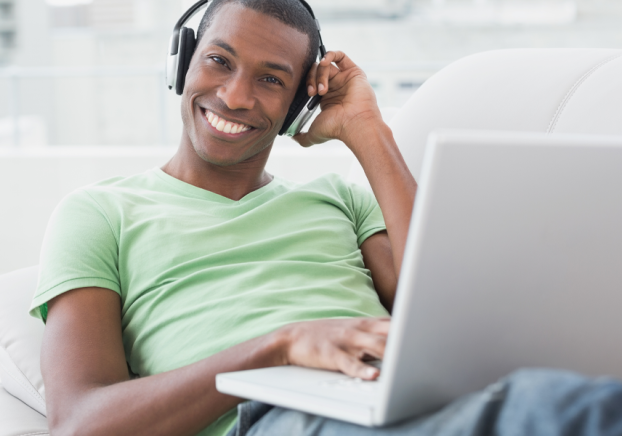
pixel 194 191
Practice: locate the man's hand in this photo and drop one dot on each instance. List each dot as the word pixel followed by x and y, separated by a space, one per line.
pixel 337 344
pixel 348 103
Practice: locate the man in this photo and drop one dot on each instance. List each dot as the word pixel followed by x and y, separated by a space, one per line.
pixel 172 268
pixel 210 264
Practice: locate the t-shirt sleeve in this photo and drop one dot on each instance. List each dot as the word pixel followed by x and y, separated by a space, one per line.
pixel 80 249
pixel 368 218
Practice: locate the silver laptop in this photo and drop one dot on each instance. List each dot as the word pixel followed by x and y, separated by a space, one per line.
pixel 514 259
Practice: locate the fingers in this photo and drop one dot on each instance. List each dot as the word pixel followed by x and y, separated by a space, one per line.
pixel 338 344
pixel 362 343
pixel 340 58
pixel 323 73
pixel 379 326
pixel 304 139
pixel 320 74
pixel 311 80
pixel 354 367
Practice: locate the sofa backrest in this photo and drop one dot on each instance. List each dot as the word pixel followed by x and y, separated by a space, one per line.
pixel 539 90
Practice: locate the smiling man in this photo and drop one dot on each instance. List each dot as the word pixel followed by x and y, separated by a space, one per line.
pixel 211 265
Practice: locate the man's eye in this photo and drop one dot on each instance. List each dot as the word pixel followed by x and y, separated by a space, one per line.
pixel 218 59
pixel 272 80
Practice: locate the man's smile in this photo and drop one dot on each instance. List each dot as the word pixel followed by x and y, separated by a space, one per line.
pixel 221 124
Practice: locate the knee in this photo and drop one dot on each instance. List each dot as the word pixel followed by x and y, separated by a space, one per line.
pixel 559 385
pixel 546 401
pixel 541 378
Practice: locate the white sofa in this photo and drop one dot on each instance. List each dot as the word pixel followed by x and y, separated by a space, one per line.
pixel 554 91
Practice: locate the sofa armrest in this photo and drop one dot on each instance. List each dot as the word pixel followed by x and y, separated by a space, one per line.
pixel 18 419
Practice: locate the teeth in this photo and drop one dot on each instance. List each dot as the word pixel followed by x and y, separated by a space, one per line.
pixel 223 125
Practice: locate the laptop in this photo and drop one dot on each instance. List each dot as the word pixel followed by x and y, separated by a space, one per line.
pixel 513 259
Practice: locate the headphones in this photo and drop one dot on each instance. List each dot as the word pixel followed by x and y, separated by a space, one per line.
pixel 183 44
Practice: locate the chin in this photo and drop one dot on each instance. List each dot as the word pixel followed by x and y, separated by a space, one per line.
pixel 214 159
pixel 227 159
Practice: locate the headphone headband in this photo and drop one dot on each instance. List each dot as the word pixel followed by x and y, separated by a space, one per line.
pixel 194 9
pixel 317 24
pixel 174 49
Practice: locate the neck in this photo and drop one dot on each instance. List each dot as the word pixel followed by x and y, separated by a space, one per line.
pixel 232 181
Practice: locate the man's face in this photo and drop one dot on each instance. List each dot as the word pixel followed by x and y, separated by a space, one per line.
pixel 245 71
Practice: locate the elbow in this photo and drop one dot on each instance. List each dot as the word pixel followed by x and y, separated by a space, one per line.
pixel 62 426
pixel 66 422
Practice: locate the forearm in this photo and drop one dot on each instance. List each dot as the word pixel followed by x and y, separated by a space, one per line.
pixel 390 179
pixel 179 402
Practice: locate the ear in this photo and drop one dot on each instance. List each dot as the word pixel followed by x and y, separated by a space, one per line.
pixel 187 44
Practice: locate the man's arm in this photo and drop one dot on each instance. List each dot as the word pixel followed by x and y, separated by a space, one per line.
pixel 390 179
pixel 350 113
pixel 87 382
pixel 88 390
pixel 378 258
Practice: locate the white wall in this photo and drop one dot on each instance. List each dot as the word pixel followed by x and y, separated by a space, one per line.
pixel 33 181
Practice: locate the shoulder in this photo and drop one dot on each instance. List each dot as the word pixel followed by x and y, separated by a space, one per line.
pixel 332 189
pixel 100 203
pixel 337 186
pixel 334 183
pixel 108 192
pixel 122 185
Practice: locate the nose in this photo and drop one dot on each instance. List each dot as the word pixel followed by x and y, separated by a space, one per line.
pixel 237 92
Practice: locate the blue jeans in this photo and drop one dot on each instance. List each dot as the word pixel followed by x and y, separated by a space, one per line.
pixel 530 402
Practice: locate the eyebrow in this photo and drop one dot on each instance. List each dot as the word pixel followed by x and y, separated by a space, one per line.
pixel 271 65
pixel 222 44
pixel 285 68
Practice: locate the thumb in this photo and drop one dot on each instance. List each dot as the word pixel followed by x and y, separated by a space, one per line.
pixel 304 139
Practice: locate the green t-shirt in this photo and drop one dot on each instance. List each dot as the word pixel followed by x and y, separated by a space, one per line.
pixel 198 273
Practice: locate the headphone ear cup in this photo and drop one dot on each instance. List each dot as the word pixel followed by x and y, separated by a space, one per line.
pixel 187 44
pixel 300 99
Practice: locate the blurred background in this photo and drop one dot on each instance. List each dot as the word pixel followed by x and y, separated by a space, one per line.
pixel 91 72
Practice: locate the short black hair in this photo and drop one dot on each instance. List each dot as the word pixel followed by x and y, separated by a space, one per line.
pixel 289 12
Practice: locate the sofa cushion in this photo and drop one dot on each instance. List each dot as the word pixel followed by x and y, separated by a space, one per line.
pixel 17 419
pixel 20 339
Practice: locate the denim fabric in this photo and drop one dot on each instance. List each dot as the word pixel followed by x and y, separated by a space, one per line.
pixel 531 402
